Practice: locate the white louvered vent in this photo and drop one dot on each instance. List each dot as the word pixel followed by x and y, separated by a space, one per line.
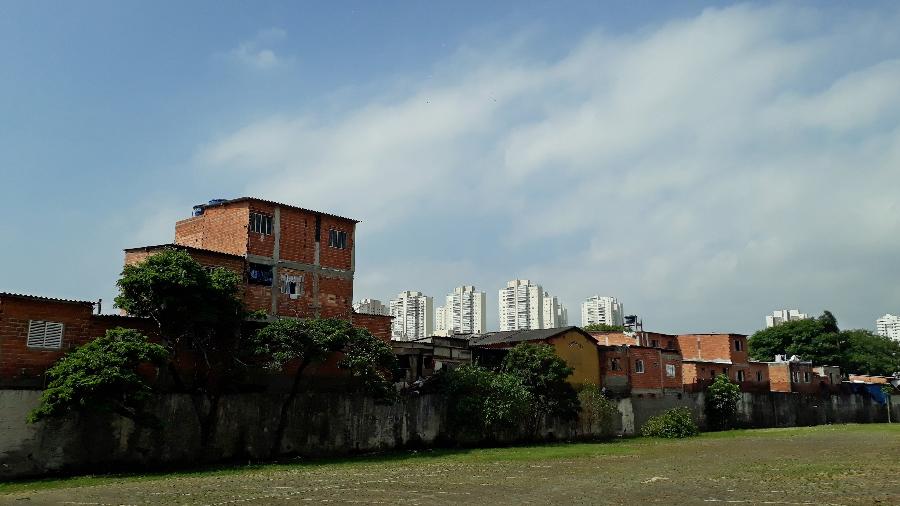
pixel 43 334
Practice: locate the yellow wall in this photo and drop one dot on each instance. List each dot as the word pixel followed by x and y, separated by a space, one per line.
pixel 581 354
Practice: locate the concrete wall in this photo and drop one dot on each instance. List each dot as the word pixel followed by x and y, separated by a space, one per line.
pixel 321 425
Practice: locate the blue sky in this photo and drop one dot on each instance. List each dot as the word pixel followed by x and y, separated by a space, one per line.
pixel 706 163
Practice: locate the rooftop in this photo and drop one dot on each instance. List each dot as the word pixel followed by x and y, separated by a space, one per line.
pixel 182 247
pixel 521 336
pixel 224 202
pixel 48 299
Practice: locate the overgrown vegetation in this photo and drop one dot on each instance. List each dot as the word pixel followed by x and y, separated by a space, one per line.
pixel 301 343
pixel 529 386
pixel 821 341
pixel 722 397
pixel 198 314
pixel 598 412
pixel 673 423
pixel 602 327
pixel 101 376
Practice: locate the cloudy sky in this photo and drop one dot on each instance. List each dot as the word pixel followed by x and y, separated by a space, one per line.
pixel 706 164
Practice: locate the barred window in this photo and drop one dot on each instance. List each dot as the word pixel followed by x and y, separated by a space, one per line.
pixel 638 366
pixel 292 285
pixel 261 223
pixel 670 370
pixel 42 334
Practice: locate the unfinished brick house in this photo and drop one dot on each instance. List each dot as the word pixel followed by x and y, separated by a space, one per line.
pixel 640 370
pixel 705 356
pixel 295 262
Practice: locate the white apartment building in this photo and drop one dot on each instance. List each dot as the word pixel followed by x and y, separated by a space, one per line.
pixel 555 315
pixel 371 306
pixel 413 315
pixel 521 306
pixel 601 309
pixel 888 326
pixel 463 313
pixel 783 316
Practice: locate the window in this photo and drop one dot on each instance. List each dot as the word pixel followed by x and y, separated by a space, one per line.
pixel 759 376
pixel 259 274
pixel 739 376
pixel 670 370
pixel 654 343
pixel 614 365
pixel 806 376
pixel 738 345
pixel 712 373
pixel 261 223
pixel 638 366
pixel 670 345
pixel 292 285
pixel 43 334
pixel 337 239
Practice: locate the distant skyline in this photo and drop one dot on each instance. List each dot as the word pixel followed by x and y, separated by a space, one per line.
pixel 703 162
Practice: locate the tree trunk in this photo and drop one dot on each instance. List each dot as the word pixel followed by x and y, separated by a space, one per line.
pixel 285 408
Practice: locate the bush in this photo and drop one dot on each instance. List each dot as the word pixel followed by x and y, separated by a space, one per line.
pixel 674 423
pixel 482 403
pixel 597 410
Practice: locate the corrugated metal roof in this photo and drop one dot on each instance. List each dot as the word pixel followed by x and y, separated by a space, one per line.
pixel 254 199
pixel 183 247
pixel 49 299
pixel 520 336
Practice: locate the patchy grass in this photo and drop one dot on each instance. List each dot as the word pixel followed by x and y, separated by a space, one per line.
pixel 845 464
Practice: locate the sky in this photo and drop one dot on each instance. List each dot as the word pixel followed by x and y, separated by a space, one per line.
pixel 706 163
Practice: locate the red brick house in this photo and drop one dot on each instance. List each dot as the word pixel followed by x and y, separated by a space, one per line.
pixel 706 356
pixel 36 331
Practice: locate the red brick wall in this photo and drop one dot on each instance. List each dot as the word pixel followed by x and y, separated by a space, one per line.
pixel 673 359
pixel 260 244
pixel 333 257
pixel 298 307
pixel 652 377
pixel 613 338
pixel 378 325
pixel 219 228
pixel 335 296
pixel 779 377
pixel 298 236
pixel 20 364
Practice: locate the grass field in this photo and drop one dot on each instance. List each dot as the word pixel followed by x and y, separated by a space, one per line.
pixel 850 464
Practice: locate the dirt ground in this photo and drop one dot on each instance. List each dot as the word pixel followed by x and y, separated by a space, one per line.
pixel 853 464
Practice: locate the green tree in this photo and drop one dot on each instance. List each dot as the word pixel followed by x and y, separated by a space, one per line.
pixel 544 374
pixel 602 327
pixel 482 403
pixel 301 343
pixel 821 341
pixel 673 423
pixel 722 397
pixel 198 314
pixel 101 376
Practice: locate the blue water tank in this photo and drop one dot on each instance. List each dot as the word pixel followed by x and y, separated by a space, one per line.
pixel 198 210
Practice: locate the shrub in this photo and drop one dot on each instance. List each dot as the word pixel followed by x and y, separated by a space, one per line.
pixel 596 409
pixel 673 423
pixel 722 397
pixel 483 403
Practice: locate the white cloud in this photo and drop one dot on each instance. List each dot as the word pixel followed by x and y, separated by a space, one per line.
pixel 258 52
pixel 706 171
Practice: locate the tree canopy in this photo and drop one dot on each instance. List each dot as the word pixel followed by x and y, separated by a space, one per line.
pixel 602 327
pixel 101 376
pixel 544 374
pixel 186 300
pixel 821 341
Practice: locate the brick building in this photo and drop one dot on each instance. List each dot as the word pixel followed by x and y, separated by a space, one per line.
pixel 36 331
pixel 640 370
pixel 706 356
pixel 295 262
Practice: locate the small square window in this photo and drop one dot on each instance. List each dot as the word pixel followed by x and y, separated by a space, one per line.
pixel 670 370
pixel 258 274
pixel 638 366
pixel 738 345
pixel 614 365
pixel 739 376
